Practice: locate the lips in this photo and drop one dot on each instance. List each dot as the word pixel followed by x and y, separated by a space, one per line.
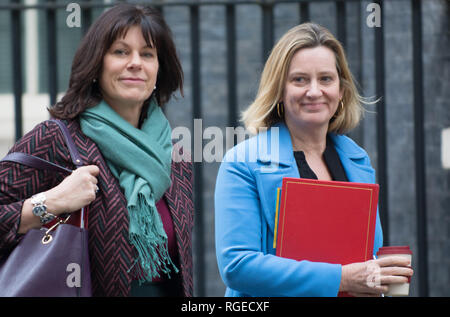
pixel 131 80
pixel 313 104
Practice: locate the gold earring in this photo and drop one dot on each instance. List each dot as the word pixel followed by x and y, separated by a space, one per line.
pixel 340 108
pixel 280 110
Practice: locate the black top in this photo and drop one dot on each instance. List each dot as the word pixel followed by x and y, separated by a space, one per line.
pixel 331 159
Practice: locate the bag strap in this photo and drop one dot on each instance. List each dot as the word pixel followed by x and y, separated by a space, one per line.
pixel 76 158
pixel 35 162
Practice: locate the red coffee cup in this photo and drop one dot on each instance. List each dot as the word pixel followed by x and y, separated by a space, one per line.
pixel 404 251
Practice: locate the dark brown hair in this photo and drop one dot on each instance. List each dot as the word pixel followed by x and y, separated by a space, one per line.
pixel 84 90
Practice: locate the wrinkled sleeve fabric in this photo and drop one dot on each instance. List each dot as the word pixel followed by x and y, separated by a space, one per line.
pixel 243 264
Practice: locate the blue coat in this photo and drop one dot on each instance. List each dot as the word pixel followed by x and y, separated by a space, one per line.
pixel 245 201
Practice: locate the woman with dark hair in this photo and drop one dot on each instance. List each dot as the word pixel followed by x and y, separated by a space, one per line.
pixel 141 210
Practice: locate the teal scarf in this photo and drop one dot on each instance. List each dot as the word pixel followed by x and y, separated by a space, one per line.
pixel 141 160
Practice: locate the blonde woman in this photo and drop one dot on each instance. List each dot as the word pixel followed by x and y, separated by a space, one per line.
pixel 307 96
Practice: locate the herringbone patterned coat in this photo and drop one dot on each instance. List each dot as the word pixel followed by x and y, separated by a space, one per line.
pixel 111 254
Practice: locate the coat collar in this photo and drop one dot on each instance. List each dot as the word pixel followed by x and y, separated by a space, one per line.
pixel 354 159
pixel 279 146
pixel 346 145
pixel 278 151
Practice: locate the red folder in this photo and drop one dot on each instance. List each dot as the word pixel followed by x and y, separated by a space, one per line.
pixel 326 221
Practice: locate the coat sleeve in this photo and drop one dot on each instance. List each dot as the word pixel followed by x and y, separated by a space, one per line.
pixel 18 182
pixel 243 265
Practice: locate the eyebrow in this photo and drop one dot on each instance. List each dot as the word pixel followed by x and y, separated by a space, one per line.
pixel 326 72
pixel 125 44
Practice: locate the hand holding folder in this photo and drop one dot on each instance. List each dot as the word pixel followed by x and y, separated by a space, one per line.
pixel 326 221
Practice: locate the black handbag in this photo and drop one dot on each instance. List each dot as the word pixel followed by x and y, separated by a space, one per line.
pixel 49 261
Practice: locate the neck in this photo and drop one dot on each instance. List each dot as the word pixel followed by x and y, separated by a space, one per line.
pixel 130 112
pixel 310 141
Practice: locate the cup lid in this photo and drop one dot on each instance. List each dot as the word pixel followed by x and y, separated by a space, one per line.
pixel 404 249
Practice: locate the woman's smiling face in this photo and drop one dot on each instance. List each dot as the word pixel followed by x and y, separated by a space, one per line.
pixel 130 69
pixel 312 90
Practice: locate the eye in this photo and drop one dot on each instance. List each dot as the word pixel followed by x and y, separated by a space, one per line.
pixel 120 52
pixel 148 54
pixel 299 79
pixel 326 79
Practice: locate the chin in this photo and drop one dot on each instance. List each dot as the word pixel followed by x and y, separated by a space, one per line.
pixel 134 98
pixel 317 119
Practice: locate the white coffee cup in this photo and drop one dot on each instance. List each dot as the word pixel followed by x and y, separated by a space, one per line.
pixel 404 251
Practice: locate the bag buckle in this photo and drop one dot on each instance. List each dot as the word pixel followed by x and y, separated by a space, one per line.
pixel 47 238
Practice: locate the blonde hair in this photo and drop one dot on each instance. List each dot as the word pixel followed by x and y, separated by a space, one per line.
pixel 263 111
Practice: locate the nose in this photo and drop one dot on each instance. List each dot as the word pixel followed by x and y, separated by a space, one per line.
pixel 135 61
pixel 314 90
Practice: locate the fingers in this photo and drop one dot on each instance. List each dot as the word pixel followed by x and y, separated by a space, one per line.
pixel 393 261
pixel 93 180
pixel 87 176
pixel 372 278
pixel 391 270
pixel 365 294
pixel 77 190
pixel 396 271
pixel 376 290
pixel 392 279
pixel 91 169
pixel 94 171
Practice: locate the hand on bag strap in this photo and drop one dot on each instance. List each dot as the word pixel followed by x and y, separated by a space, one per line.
pixel 74 154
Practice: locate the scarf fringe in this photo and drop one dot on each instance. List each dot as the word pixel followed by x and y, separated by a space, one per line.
pixel 150 241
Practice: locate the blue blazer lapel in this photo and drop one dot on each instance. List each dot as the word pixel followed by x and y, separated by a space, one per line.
pixel 275 147
pixel 272 165
pixel 354 159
